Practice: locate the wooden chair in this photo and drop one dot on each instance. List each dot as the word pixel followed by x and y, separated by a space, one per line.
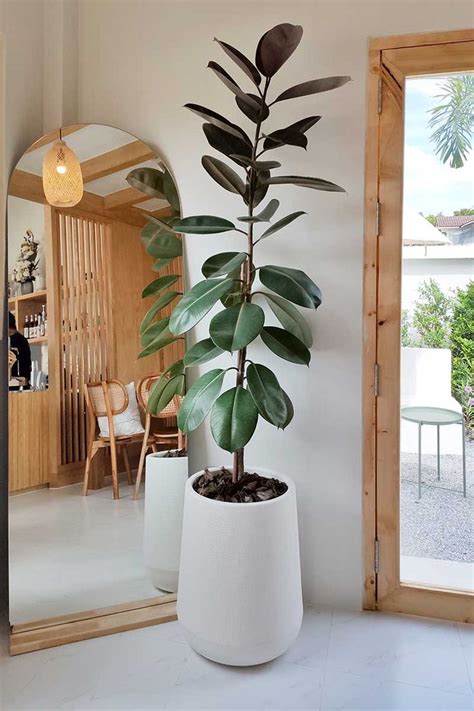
pixel 106 399
pixel 168 435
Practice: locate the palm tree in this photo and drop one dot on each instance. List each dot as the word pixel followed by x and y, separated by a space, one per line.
pixel 452 120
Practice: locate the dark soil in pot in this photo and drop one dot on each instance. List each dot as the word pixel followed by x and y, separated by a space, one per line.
pixel 218 485
pixel 171 453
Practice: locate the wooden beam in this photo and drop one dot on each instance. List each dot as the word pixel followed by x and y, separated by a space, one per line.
pixel 122 198
pixel 29 186
pixel 54 136
pixel 116 160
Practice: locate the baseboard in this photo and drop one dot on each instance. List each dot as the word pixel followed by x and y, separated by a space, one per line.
pixel 56 631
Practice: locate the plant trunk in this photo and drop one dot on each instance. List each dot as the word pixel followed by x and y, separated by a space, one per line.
pixel 246 275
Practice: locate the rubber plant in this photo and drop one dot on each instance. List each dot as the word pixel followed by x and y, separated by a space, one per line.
pixel 230 277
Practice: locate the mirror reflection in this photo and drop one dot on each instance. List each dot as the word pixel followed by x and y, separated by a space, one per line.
pixel 78 424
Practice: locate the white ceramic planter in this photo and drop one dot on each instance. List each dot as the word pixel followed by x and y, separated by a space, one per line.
pixel 165 483
pixel 239 596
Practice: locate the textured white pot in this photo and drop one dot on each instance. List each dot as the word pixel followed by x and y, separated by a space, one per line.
pixel 165 483
pixel 239 596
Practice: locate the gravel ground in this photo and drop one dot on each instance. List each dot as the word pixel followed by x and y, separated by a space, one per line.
pixel 440 525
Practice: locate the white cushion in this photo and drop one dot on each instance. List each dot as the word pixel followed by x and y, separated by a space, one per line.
pixel 128 422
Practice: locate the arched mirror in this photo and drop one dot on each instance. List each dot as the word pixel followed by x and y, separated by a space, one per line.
pixel 81 371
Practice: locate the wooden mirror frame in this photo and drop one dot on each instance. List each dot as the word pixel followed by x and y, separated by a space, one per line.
pixel 64 629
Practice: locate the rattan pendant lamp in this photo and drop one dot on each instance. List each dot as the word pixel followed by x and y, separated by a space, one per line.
pixel 62 176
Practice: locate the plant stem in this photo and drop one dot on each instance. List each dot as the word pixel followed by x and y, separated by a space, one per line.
pixel 247 272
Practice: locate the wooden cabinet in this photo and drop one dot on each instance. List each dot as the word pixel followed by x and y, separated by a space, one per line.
pixel 28 449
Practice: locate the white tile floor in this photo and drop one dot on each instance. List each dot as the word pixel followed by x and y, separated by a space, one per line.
pixel 70 553
pixel 348 661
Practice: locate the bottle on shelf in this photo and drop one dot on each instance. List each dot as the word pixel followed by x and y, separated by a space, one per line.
pixel 44 320
pixel 32 327
pixel 26 327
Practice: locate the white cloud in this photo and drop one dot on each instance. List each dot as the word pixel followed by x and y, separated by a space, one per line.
pixel 431 186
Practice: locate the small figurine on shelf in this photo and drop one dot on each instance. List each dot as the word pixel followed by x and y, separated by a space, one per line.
pixel 27 263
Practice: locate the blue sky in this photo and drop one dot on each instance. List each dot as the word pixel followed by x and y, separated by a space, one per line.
pixel 429 186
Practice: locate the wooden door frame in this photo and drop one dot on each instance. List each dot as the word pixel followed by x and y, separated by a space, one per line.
pixel 385 65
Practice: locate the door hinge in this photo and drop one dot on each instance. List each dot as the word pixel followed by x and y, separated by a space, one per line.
pixel 376 555
pixel 377 218
pixel 376 379
pixel 379 96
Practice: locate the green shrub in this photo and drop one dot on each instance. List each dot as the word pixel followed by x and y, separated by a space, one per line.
pixel 462 350
pixel 432 316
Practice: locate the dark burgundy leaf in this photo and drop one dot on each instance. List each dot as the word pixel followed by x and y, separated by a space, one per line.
pixel 262 187
pixel 233 86
pixel 291 135
pixel 314 86
pixel 250 111
pixel 276 46
pixel 225 142
pixel 241 60
pixel 219 121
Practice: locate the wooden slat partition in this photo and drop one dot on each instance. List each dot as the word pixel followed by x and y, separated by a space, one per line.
pixel 85 325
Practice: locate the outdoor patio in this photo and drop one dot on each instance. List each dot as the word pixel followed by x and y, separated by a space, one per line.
pixel 438 527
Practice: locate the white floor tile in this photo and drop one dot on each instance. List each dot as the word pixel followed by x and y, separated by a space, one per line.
pixel 342 660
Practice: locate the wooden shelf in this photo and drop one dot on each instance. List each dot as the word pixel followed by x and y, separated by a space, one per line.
pixel 39 295
pixel 37 341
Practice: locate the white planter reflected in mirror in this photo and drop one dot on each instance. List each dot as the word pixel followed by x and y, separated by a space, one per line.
pixel 76 327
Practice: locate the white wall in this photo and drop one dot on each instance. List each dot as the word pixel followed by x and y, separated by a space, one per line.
pixel 139 62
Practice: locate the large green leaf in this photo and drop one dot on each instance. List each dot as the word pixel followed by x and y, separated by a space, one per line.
pixel 224 175
pixel 292 284
pixel 164 246
pixel 202 352
pixel 224 263
pixel 291 135
pixel 267 394
pixel 281 223
pixel 290 318
pixel 159 284
pixel 162 264
pixel 154 331
pixel 163 301
pixel 290 410
pixel 265 215
pixel 285 345
pixel 276 47
pixel 199 399
pixel 165 338
pixel 196 303
pixel 161 242
pixel 163 392
pixel 237 326
pixel 304 182
pixel 225 142
pixel 171 192
pixel 219 121
pixel 165 224
pixel 314 86
pixel 242 61
pixel 203 225
pixel 233 419
pixel 148 181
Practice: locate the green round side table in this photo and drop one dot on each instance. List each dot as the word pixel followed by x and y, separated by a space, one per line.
pixel 439 417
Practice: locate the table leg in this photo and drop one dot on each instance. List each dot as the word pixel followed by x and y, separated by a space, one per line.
pixel 463 434
pixel 419 460
pixel 437 452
